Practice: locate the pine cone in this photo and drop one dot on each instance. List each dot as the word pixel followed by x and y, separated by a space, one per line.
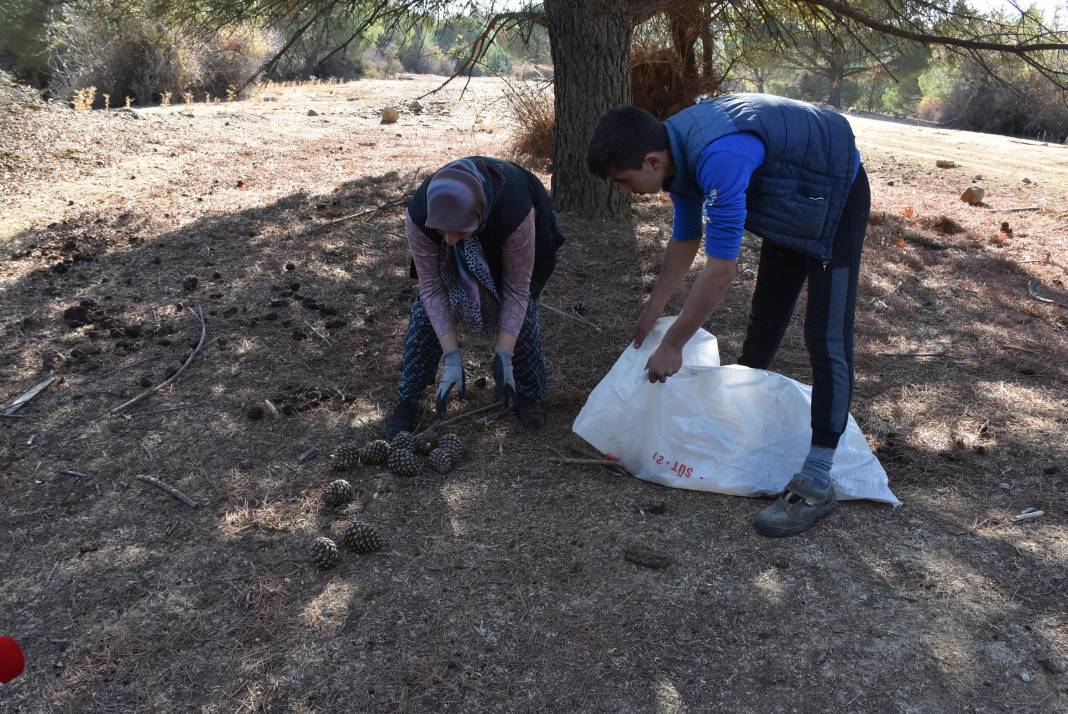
pixel 376 453
pixel 404 463
pixel 323 552
pixel 338 492
pixel 403 440
pixel 345 458
pixel 441 460
pixel 453 444
pixel 362 538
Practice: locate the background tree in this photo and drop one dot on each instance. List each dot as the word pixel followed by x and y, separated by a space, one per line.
pixel 591 44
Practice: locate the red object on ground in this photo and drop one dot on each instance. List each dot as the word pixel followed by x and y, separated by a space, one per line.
pixel 611 457
pixel 12 661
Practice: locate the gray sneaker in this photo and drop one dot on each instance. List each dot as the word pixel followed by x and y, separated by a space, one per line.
pixel 797 509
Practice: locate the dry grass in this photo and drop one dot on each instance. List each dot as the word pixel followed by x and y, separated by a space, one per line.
pixel 502 587
pixel 533 114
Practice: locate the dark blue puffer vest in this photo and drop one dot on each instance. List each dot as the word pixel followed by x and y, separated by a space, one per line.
pixel 796 196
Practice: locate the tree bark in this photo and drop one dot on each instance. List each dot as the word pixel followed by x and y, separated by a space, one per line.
pixel 591 55
pixel 835 98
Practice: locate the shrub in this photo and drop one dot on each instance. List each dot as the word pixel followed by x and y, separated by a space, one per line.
pixel 381 61
pixel 136 55
pixel 1023 104
pixel 531 106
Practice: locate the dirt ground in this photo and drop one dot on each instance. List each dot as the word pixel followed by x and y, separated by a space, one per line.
pixel 503 585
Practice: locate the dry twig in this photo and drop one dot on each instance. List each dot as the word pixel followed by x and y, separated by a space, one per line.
pixel 1021 209
pixel 191 502
pixel 568 315
pixel 25 398
pixel 458 417
pixel 323 337
pixel 607 463
pixel 199 315
pixel 1035 296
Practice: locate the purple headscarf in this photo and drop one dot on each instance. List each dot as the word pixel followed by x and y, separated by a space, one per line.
pixel 455 199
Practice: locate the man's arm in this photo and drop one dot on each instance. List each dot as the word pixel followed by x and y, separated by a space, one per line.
pixel 724 169
pixel 677 261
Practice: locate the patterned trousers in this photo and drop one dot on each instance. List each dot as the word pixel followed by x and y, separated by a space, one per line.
pixel 422 352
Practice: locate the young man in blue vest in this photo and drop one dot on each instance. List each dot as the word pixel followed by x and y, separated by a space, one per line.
pixel 790 173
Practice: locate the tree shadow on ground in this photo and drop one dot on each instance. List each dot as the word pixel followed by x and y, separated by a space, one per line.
pixel 503 585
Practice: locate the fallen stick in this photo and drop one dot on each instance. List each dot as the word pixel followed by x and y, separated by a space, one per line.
pixel 191 502
pixel 607 463
pixel 25 398
pixel 1044 261
pixel 459 417
pixel 199 315
pixel 321 335
pixel 370 212
pixel 1020 209
pixel 323 226
pixel 910 354
pixel 1035 296
pixel 72 472
pixel 1027 515
pixel 576 318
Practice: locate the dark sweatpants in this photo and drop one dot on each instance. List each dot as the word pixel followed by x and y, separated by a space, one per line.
pixel 422 352
pixel 832 301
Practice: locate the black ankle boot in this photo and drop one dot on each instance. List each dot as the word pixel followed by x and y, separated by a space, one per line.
pixel 405 417
pixel 531 413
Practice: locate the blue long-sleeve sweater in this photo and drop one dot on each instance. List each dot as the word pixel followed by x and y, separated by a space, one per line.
pixel 723 170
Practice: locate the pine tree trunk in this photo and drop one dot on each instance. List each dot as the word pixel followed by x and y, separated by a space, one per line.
pixel 835 98
pixel 591 54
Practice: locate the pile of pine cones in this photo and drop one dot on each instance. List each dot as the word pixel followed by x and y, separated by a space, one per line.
pixel 402 454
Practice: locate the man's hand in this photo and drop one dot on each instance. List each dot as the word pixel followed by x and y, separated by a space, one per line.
pixel 646 321
pixel 504 391
pixel 452 375
pixel 666 361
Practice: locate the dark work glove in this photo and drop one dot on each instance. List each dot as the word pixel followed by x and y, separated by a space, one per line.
pixel 504 391
pixel 452 375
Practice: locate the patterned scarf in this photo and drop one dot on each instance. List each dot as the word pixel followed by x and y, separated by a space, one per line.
pixel 472 294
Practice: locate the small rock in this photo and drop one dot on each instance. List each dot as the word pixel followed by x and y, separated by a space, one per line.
pixel 290 267
pixel 190 283
pixel 255 413
pixel 1004 486
pixel 977 177
pixel 335 324
pixel 889 183
pixel 1026 677
pixel 973 195
pixel 279 302
pixel 390 115
pixel 294 286
pixel 416 107
pixel 1025 180
pixel 313 113
pixel 946 164
pixel 216 275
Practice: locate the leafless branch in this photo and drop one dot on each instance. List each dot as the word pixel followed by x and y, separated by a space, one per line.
pixel 191 502
pixel 199 315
